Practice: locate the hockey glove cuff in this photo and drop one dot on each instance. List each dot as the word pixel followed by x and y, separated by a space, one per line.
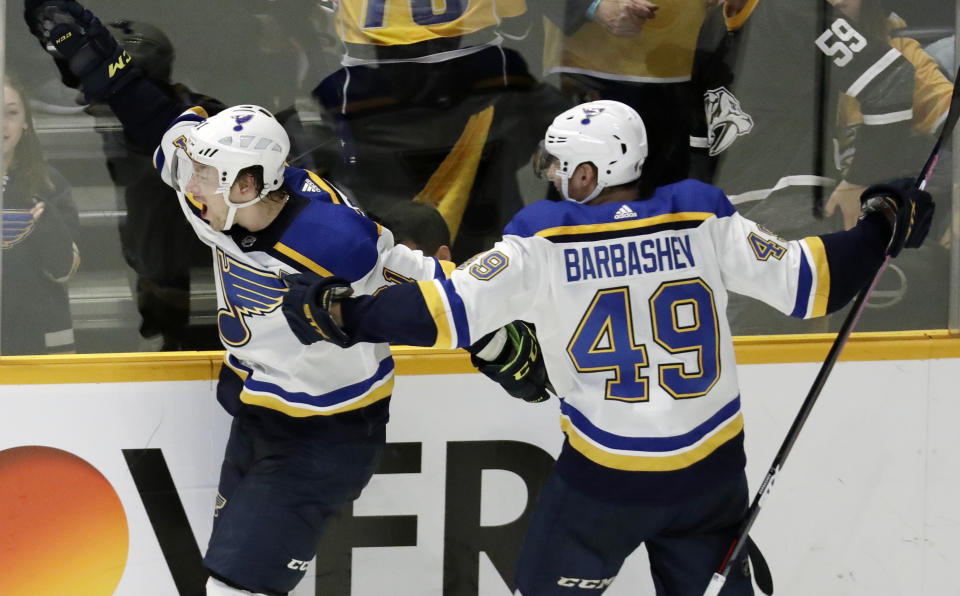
pixel 306 306
pixel 511 356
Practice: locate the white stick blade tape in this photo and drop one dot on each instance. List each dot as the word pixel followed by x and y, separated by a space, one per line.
pixel 716 584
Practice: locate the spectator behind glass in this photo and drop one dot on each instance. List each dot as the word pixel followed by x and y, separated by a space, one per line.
pixel 418 226
pixel 157 243
pixel 39 255
pixel 437 106
pixel 911 289
pixel 768 75
pixel 931 95
pixel 646 66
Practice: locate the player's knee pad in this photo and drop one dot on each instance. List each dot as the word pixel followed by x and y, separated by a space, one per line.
pixel 216 587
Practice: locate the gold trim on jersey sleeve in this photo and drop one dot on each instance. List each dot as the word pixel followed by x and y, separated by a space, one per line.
pixel 822 267
pixel 438 311
pixel 448 267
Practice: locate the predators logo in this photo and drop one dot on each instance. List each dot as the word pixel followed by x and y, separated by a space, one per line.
pixel 726 120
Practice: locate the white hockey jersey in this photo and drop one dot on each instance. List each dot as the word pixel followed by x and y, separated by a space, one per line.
pixel 629 301
pixel 317 231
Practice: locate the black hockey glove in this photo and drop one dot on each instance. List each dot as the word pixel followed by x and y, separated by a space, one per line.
pixel 307 308
pixel 85 52
pixel 519 366
pixel 907 209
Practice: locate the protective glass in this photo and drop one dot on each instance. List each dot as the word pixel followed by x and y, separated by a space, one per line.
pixel 542 161
pixel 191 176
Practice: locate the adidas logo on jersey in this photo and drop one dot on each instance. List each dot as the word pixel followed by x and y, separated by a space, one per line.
pixel 310 186
pixel 624 212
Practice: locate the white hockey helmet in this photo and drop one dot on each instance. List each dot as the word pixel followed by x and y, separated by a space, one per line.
pixel 606 133
pixel 237 138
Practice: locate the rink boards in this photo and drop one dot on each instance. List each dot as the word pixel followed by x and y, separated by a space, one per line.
pixel 108 467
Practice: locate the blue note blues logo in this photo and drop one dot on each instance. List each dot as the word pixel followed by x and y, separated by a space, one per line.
pixel 248 292
pixel 241 120
pixel 589 113
pixel 17 225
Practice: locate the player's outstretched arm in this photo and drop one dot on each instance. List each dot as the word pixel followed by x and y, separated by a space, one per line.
pixel 318 309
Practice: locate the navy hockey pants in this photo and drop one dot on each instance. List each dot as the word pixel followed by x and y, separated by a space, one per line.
pixel 576 544
pixel 277 490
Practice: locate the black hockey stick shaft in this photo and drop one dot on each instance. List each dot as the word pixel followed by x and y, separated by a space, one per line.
pixel 737 546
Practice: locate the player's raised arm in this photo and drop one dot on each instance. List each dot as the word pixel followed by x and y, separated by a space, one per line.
pixel 89 58
pixel 821 274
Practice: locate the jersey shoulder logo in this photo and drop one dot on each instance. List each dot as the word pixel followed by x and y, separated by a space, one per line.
pixel 624 212
pixel 764 248
pixel 310 186
pixel 248 292
pixel 726 119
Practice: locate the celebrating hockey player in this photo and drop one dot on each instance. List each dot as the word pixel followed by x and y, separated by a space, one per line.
pixel 628 295
pixel 308 425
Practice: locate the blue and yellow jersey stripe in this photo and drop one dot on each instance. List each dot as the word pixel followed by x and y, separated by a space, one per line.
pixel 683 204
pixel 813 283
pixel 447 311
pixel 632 227
pixel 299 404
pixel 650 454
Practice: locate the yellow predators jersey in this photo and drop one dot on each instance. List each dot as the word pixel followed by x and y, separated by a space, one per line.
pixel 661 53
pixel 404 22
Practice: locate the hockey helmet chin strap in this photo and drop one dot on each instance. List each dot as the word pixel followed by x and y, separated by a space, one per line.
pixel 233 207
pixel 565 188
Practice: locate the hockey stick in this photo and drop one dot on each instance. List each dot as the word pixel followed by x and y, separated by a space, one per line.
pixel 739 543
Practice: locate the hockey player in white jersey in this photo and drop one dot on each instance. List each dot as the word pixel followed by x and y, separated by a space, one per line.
pixel 628 296
pixel 309 421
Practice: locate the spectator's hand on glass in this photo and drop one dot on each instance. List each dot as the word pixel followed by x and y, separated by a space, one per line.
pixel 624 18
pixel 847 197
